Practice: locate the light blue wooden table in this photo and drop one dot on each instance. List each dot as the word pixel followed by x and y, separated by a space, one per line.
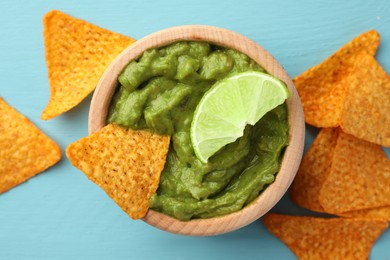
pixel 59 214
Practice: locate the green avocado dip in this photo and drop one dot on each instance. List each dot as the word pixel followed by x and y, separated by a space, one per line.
pixel 160 92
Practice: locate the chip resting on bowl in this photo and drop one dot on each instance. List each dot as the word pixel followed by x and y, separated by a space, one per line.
pixel 321 88
pixel 77 54
pixel 326 238
pixel 126 164
pixel 25 150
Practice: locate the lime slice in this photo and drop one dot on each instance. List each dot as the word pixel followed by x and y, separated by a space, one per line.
pixel 228 106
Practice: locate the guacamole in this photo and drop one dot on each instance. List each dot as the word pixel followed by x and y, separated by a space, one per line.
pixel 160 92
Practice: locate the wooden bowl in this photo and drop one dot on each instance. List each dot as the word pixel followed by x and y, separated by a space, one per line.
pixel 293 154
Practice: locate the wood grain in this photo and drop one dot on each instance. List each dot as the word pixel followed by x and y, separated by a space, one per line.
pixel 293 154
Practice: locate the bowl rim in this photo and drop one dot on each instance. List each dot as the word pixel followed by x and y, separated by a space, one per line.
pixel 292 156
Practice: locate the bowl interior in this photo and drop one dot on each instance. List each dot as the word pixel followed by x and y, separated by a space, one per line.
pixel 293 154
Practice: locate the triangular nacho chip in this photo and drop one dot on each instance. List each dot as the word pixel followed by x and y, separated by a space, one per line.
pixel 359 177
pixel 314 169
pixel 341 173
pixel 126 164
pixel 321 88
pixel 25 151
pixel 367 102
pixel 380 212
pixel 77 54
pixel 320 238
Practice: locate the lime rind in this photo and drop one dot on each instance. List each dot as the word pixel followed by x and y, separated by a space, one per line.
pixel 229 105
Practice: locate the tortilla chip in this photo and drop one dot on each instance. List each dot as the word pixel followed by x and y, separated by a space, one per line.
pixel 126 164
pixel 77 54
pixel 381 212
pixel 359 177
pixel 320 238
pixel 314 169
pixel 25 150
pixel 321 88
pixel 367 102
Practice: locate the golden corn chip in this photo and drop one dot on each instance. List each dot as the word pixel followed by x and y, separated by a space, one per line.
pixel 321 238
pixel 314 169
pixel 380 212
pixel 359 177
pixel 126 164
pixel 77 54
pixel 321 88
pixel 25 151
pixel 367 102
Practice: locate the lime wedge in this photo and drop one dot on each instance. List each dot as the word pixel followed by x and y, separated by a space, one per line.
pixel 229 105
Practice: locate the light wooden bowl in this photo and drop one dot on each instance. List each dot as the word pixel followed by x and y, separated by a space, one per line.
pixel 293 154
